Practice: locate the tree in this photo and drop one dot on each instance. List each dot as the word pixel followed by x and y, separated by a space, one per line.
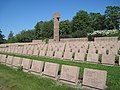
pixel 26 36
pixel 112 14
pixel 81 24
pixel 2 40
pixel 44 29
pixel 38 29
pixel 98 21
pixel 23 36
pixel 65 28
pixel 48 27
pixel 10 35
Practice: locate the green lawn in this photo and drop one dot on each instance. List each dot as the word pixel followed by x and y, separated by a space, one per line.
pixel 113 78
pixel 11 79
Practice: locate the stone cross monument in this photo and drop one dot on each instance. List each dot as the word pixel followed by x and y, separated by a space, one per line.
pixel 56 26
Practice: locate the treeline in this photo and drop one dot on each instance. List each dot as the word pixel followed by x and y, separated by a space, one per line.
pixel 2 40
pixel 80 25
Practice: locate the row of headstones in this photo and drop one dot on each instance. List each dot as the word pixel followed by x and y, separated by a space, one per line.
pixel 111 48
pixel 69 74
pixel 66 46
pixel 104 43
pixel 93 50
pixel 107 45
pixel 27 50
pixel 30 49
pixel 108 59
pixel 93 47
pixel 103 50
pixel 73 47
pixel 98 39
pixel 35 48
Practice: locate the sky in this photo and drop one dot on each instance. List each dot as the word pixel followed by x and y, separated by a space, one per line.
pixel 18 15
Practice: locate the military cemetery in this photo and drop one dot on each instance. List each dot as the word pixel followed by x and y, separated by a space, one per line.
pixel 78 54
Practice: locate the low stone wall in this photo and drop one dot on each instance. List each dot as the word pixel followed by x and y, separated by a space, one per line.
pixel 79 39
pixel 36 41
pixel 106 39
pixel 73 39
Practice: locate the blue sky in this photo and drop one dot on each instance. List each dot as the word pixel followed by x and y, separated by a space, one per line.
pixel 17 15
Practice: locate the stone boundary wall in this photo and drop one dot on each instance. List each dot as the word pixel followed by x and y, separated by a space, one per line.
pixel 80 39
pixel 62 40
pixel 37 41
pixel 73 39
pixel 106 39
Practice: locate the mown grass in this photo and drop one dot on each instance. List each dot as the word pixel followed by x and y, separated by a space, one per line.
pixel 113 76
pixel 11 79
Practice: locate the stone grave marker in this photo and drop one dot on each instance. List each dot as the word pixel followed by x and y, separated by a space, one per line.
pixel 82 50
pixel 16 50
pixel 69 74
pixel 35 52
pixel 51 69
pixel 79 57
pixel 50 53
pixel 25 51
pixel 3 59
pixel 101 50
pixel 26 63
pixel 9 61
pixel 20 50
pixel 94 79
pixel 42 53
pixel 68 55
pixel 16 61
pixel 30 52
pixel 37 66
pixel 113 51
pixel 58 54
pixel 108 59
pixel 92 57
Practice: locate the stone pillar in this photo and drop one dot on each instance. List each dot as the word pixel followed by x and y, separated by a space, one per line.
pixel 56 27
